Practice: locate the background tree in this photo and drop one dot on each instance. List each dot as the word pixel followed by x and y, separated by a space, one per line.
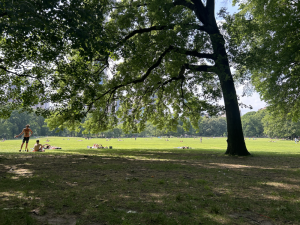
pixel 266 36
pixel 249 125
pixel 17 121
pixel 279 127
pixel 172 63
pixel 260 123
pixel 6 129
pixel 213 127
pixel 252 123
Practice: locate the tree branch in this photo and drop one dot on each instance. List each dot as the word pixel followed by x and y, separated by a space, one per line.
pixel 171 26
pixel 200 10
pixel 201 68
pixel 182 78
pixel 140 80
pixel 20 75
pixel 194 53
pixel 145 30
pixel 156 64
pixel 2 14
pixel 204 14
pixel 125 6
pixel 179 77
pixel 184 3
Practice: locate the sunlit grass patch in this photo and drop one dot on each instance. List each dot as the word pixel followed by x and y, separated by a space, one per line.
pixel 154 145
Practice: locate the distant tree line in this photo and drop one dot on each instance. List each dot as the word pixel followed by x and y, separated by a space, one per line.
pixel 255 124
pixel 207 127
pixel 263 123
pixel 17 121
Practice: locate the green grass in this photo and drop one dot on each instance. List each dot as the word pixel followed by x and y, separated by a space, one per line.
pixel 260 145
pixel 149 181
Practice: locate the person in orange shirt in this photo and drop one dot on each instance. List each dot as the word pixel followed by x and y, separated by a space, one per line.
pixel 27 133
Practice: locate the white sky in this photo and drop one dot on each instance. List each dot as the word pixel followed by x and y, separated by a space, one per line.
pixel 253 100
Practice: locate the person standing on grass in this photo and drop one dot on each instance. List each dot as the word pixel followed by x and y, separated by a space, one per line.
pixel 296 140
pixel 27 133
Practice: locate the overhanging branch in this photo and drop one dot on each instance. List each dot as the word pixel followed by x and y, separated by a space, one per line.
pixel 145 30
pixel 170 26
pixel 194 53
pixel 125 6
pixel 21 75
pixel 179 77
pixel 2 14
pixel 184 3
pixel 201 68
pixel 156 64
pixel 140 80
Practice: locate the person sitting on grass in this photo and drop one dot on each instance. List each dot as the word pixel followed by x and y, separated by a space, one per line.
pixel 98 146
pixel 95 146
pixel 38 147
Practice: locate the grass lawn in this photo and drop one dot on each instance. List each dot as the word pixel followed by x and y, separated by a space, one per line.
pixel 149 181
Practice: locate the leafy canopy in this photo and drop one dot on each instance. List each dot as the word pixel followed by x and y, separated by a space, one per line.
pixel 266 38
pixel 154 58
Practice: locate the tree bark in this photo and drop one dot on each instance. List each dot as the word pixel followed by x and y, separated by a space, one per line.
pixel 235 139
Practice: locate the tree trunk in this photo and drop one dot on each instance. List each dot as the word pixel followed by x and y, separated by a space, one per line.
pixel 235 140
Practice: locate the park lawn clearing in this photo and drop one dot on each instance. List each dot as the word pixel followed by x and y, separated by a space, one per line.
pixel 150 186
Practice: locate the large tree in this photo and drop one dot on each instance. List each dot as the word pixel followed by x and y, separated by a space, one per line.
pixel 165 60
pixel 266 36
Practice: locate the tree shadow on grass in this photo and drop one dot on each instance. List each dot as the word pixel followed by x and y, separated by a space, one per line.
pixel 149 187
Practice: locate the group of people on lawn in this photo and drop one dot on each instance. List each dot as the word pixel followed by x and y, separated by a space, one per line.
pixel 97 146
pixel 37 147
